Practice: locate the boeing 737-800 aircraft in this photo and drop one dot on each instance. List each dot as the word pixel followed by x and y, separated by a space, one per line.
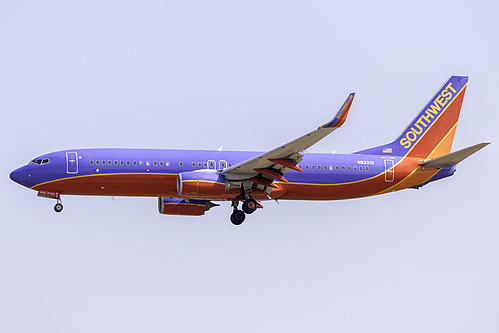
pixel 188 182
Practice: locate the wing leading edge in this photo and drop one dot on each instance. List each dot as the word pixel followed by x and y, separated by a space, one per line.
pixel 266 167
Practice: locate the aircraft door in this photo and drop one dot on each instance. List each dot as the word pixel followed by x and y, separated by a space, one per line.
pixel 72 162
pixel 389 171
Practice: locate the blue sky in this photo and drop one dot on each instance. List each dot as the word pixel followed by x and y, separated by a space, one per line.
pixel 248 76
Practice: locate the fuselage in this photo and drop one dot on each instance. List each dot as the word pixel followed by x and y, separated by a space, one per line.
pixel 153 173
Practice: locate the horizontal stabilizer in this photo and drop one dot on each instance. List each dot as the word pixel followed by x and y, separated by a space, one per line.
pixel 452 159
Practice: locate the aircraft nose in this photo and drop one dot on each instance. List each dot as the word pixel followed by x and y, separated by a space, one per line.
pixel 19 175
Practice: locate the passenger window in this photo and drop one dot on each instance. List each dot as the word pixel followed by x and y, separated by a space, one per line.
pixel 349 168
pixel 115 162
pixel 109 162
pixel 127 162
pixel 354 168
pixel 122 162
pixel 155 163
pixel 180 163
pixel 325 167
pixel 148 163
pixel 342 168
pixel 193 164
pixel 161 163
pixel 367 168
pixel 313 167
pixel 134 162
pixel 337 168
pixel 97 162
pixel 200 164
pixel 91 162
pixel 103 162
pixel 167 163
pixel 331 167
pixel 141 163
pixel 361 168
pixel 319 167
pixel 306 166
pixel 212 165
pixel 230 164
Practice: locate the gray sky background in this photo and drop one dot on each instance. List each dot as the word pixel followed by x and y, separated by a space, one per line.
pixel 248 76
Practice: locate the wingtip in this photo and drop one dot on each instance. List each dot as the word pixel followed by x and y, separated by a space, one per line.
pixel 341 115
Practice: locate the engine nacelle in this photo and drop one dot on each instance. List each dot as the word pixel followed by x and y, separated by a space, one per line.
pixel 200 184
pixel 177 206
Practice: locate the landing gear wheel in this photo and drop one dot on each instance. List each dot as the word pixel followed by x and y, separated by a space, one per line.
pixel 58 207
pixel 249 206
pixel 237 217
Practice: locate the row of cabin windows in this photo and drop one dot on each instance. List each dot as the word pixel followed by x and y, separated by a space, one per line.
pixel 337 167
pixel 154 163
pixel 116 162
pixel 211 165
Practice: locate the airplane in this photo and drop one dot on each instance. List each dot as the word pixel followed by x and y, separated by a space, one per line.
pixel 189 182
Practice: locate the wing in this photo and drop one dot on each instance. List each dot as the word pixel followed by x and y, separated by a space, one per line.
pixel 266 167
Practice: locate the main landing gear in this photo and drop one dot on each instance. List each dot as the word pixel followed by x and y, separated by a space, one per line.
pixel 238 216
pixel 249 206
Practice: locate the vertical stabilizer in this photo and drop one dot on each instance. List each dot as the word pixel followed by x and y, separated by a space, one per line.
pixel 431 133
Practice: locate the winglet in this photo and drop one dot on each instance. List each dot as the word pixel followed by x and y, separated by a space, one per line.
pixel 342 113
pixel 452 159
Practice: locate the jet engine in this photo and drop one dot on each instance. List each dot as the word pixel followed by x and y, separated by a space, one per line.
pixel 177 206
pixel 200 184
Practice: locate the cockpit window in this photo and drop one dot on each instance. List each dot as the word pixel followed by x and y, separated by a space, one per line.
pixel 39 161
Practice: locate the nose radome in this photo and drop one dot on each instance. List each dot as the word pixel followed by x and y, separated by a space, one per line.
pixel 18 175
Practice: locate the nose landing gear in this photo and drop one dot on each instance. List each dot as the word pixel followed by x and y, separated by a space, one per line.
pixel 58 206
pixel 52 195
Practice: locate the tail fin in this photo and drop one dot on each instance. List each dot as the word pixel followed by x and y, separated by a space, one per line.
pixel 431 133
